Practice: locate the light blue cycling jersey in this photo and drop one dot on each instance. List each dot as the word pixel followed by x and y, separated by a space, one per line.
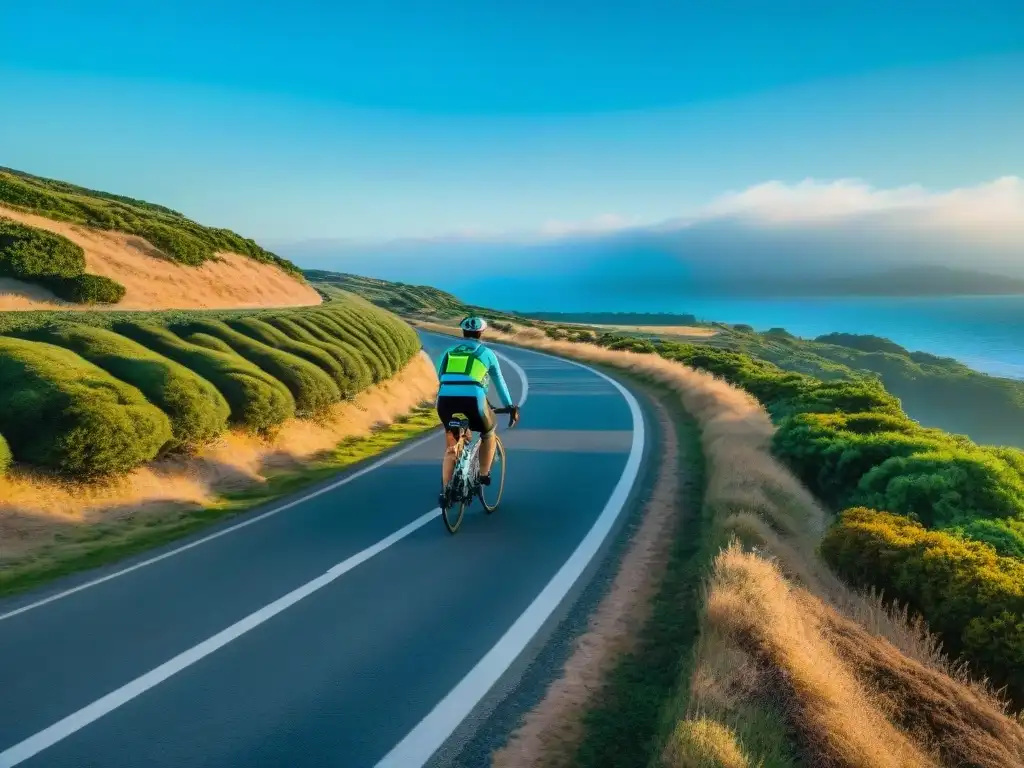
pixel 459 385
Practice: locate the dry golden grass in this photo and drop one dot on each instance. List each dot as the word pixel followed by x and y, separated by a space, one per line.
pixel 703 743
pixel 839 720
pixel 666 331
pixel 859 683
pixel 154 282
pixel 36 508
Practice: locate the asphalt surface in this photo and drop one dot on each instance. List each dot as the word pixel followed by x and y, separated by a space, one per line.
pixel 349 629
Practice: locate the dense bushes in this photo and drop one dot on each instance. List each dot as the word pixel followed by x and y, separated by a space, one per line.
pixel 257 400
pixel 56 263
pixel 27 253
pixel 311 387
pixel 345 376
pixel 60 411
pixel 968 593
pixel 85 289
pixel 356 365
pixel 198 412
pixel 193 372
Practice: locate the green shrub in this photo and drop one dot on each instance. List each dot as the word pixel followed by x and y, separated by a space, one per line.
pixel 350 358
pixel 209 342
pixel 830 453
pixel 332 332
pixel 5 456
pixel 863 342
pixel 27 253
pixel 382 328
pixel 841 397
pixel 59 411
pixel 944 486
pixel 970 596
pixel 198 412
pixel 376 355
pixel 85 289
pixel 343 377
pixel 1005 536
pixel 313 390
pixel 258 401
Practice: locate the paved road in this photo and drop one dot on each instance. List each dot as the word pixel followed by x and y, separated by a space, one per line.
pixel 348 629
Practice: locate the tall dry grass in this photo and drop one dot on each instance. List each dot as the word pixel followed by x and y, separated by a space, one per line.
pixel 36 508
pixel 858 682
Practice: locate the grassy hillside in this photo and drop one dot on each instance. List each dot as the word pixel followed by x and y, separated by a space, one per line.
pixel 116 389
pixel 177 236
pixel 938 392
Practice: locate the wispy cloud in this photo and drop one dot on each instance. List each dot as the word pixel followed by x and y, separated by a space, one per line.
pixel 998 203
pixel 606 222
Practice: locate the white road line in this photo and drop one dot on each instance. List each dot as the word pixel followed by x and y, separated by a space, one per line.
pixel 249 521
pixel 231 529
pixel 520 373
pixel 35 744
pixel 424 740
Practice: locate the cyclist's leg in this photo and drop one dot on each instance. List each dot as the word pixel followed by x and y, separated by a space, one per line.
pixel 488 445
pixel 446 408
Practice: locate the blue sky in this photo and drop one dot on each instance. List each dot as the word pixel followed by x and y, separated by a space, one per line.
pixel 294 121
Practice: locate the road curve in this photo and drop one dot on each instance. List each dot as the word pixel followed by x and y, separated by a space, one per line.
pixel 345 627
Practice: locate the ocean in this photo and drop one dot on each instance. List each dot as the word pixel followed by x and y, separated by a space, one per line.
pixel 984 332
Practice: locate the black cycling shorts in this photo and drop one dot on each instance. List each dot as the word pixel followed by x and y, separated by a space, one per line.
pixel 476 410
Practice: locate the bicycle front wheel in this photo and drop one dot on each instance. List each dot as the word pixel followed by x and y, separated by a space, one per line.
pixel 490 495
pixel 453 515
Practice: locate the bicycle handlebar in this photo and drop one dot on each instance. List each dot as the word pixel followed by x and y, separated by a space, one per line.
pixel 510 410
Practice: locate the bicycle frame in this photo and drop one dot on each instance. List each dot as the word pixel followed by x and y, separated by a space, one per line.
pixel 466 465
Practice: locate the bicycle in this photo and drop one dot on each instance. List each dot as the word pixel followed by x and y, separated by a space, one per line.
pixel 465 485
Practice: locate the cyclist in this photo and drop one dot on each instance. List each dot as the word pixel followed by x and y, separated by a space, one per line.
pixel 465 371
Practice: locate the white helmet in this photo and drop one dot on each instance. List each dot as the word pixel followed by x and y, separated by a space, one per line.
pixel 473 323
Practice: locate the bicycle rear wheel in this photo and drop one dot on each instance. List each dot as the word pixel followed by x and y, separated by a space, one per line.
pixel 490 495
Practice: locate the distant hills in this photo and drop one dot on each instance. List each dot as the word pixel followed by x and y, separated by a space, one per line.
pixel 903 281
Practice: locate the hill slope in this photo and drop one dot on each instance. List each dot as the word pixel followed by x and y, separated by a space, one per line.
pixel 162 259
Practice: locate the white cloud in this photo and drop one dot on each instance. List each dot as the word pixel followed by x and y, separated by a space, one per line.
pixel 606 222
pixel 997 204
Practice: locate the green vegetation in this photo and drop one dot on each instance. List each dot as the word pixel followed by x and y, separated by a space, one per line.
pixel 311 387
pixel 5 455
pixel 98 545
pixel 257 399
pixel 64 413
pixel 54 262
pixel 397 297
pixel 197 410
pixel 178 237
pixel 198 371
pixel 354 361
pixel 973 597
pixel 851 444
pixel 344 377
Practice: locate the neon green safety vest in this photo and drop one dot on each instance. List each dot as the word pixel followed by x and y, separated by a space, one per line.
pixel 463 361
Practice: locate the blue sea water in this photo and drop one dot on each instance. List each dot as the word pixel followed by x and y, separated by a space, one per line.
pixel 984 332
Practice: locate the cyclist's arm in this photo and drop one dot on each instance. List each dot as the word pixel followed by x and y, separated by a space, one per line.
pixel 494 369
pixel 439 365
